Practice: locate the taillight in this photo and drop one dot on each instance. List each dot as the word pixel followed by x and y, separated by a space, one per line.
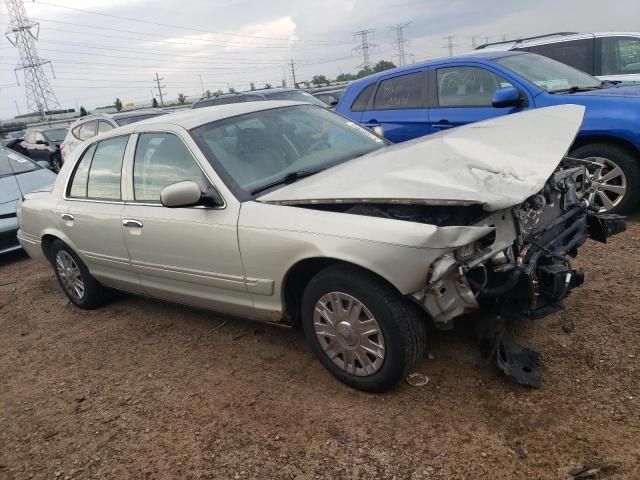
pixel 61 146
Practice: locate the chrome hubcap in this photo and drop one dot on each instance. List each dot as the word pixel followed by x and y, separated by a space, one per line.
pixel 349 334
pixel 606 183
pixel 70 275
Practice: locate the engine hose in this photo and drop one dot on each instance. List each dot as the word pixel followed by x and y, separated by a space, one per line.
pixel 501 289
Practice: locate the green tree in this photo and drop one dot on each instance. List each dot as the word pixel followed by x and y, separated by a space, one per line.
pixel 232 90
pixel 154 104
pixel 83 112
pixel 345 77
pixel 319 80
pixel 383 65
pixel 181 98
pixel 284 83
pixel 267 85
pixel 252 86
pixel 218 93
pixel 118 104
pixel 208 94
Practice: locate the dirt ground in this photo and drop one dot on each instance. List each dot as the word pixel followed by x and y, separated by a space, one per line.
pixel 145 389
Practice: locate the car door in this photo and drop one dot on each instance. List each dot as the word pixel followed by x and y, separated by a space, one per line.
pixel 399 107
pixel 189 255
pixel 618 59
pixel 90 214
pixel 462 94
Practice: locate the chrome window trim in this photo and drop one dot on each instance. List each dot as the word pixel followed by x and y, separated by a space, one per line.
pixel 69 178
pixel 131 164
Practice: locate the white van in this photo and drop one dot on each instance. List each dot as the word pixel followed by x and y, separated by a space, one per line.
pixel 613 56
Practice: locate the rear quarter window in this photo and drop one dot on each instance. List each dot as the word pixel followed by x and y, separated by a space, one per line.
pixel 362 100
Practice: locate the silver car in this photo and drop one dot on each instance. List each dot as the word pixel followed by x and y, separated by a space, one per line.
pixel 19 175
pixel 289 213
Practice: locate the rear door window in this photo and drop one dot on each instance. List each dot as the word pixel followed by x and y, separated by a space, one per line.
pixel 620 55
pixel 78 187
pixel 576 53
pixel 399 93
pixel 106 169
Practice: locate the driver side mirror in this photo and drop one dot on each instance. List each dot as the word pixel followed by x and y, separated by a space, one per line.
pixel 506 97
pixel 188 194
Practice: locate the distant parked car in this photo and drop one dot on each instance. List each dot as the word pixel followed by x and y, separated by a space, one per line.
pixel 88 127
pixel 330 97
pixel 429 97
pixel 43 144
pixel 612 56
pixel 292 94
pixel 18 176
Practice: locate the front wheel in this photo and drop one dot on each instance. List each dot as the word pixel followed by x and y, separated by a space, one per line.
pixel 362 330
pixel 74 278
pixel 613 180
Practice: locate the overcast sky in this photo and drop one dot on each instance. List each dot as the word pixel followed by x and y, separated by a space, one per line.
pixel 100 56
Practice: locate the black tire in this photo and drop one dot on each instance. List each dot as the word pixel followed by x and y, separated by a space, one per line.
pixel 630 167
pixel 401 322
pixel 94 294
pixel 56 162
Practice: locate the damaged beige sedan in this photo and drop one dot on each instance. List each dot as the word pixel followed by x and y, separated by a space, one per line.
pixel 289 213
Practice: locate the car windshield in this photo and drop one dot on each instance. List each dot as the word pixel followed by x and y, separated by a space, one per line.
pixel 56 134
pixel 295 96
pixel 12 163
pixel 258 149
pixel 549 74
pixel 136 118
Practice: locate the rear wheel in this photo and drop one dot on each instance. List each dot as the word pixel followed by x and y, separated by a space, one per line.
pixel 56 162
pixel 613 181
pixel 362 330
pixel 74 278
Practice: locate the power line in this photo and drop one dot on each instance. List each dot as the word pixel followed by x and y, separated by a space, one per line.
pixel 401 42
pixel 160 88
pixel 182 27
pixel 365 46
pixel 450 44
pixel 23 34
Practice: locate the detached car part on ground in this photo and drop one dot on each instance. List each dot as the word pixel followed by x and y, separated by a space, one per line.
pixel 361 242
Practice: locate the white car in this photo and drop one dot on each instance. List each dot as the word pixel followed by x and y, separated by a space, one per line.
pixel 287 212
pixel 612 56
pixel 91 125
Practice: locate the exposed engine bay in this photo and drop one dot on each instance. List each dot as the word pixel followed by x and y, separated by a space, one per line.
pixel 521 269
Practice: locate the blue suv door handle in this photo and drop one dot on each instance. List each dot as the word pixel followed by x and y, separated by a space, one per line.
pixel 442 124
pixel 372 123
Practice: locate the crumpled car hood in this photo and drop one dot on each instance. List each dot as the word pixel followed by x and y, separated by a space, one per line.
pixel 497 163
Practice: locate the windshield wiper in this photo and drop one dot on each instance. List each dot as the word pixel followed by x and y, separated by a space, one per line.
pixel 286 180
pixel 575 89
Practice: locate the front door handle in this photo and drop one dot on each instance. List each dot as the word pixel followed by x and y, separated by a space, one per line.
pixel 131 223
pixel 67 217
pixel 442 124
pixel 372 123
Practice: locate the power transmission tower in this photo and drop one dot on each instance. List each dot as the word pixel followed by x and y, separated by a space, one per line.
pixel 474 41
pixel 23 34
pixel 401 42
pixel 450 44
pixel 365 47
pixel 160 87
pixel 293 74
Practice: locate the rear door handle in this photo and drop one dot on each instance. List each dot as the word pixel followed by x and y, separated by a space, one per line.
pixel 67 217
pixel 131 223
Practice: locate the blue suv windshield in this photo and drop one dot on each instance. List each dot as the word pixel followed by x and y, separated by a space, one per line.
pixel 549 74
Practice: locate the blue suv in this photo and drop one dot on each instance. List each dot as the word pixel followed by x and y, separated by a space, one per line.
pixel 429 97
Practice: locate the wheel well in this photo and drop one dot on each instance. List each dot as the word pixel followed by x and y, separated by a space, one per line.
pixel 591 139
pixel 46 243
pixel 298 277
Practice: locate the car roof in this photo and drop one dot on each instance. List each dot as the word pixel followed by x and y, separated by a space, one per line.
pixel 550 38
pixel 192 118
pixel 474 55
pixel 115 116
